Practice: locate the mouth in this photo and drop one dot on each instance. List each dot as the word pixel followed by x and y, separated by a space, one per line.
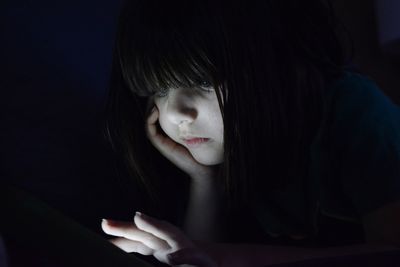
pixel 195 142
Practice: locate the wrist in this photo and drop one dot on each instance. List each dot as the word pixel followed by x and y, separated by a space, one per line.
pixel 202 180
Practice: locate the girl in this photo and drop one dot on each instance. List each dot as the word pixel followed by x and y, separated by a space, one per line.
pixel 248 106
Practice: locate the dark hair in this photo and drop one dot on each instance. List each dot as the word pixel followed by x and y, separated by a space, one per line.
pixel 274 57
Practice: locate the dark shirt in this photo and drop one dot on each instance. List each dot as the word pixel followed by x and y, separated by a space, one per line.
pixel 354 169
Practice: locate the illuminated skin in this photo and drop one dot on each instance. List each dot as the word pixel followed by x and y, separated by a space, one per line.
pixel 185 113
pixel 193 113
pixel 149 236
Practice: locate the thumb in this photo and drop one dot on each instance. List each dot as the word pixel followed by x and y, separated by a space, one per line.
pixel 192 256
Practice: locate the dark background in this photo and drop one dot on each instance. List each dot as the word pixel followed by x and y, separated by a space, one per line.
pixel 55 61
pixel 360 18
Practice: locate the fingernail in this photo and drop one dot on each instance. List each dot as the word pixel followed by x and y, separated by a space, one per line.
pixel 138 213
pixel 104 221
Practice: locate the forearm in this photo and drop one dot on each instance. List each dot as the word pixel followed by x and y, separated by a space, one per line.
pixel 243 255
pixel 203 215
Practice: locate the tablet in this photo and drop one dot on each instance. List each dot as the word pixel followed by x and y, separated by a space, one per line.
pixel 46 236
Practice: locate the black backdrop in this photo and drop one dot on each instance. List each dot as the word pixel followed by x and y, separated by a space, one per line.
pixel 55 59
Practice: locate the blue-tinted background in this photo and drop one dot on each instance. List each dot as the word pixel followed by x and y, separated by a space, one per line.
pixel 55 61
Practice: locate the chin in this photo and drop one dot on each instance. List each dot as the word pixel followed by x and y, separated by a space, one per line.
pixel 208 160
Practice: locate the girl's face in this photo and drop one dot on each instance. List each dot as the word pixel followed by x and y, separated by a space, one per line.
pixel 192 118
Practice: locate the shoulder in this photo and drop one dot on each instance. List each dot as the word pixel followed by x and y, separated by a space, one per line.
pixel 358 95
pixel 358 108
pixel 362 141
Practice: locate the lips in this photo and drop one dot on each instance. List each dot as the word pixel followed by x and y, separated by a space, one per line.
pixel 196 141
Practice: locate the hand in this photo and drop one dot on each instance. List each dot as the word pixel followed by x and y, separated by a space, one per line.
pixel 149 236
pixel 174 152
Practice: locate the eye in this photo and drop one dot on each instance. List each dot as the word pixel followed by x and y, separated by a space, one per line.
pixel 162 93
pixel 206 86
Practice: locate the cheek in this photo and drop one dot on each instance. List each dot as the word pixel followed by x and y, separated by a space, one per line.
pixel 166 126
pixel 163 123
pixel 217 120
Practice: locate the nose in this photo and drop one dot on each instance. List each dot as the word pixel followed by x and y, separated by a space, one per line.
pixel 181 107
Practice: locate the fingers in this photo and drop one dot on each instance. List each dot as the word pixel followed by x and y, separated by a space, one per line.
pixel 129 231
pixel 163 230
pixel 132 246
pixel 165 145
pixel 149 236
pixel 151 122
pixel 155 134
